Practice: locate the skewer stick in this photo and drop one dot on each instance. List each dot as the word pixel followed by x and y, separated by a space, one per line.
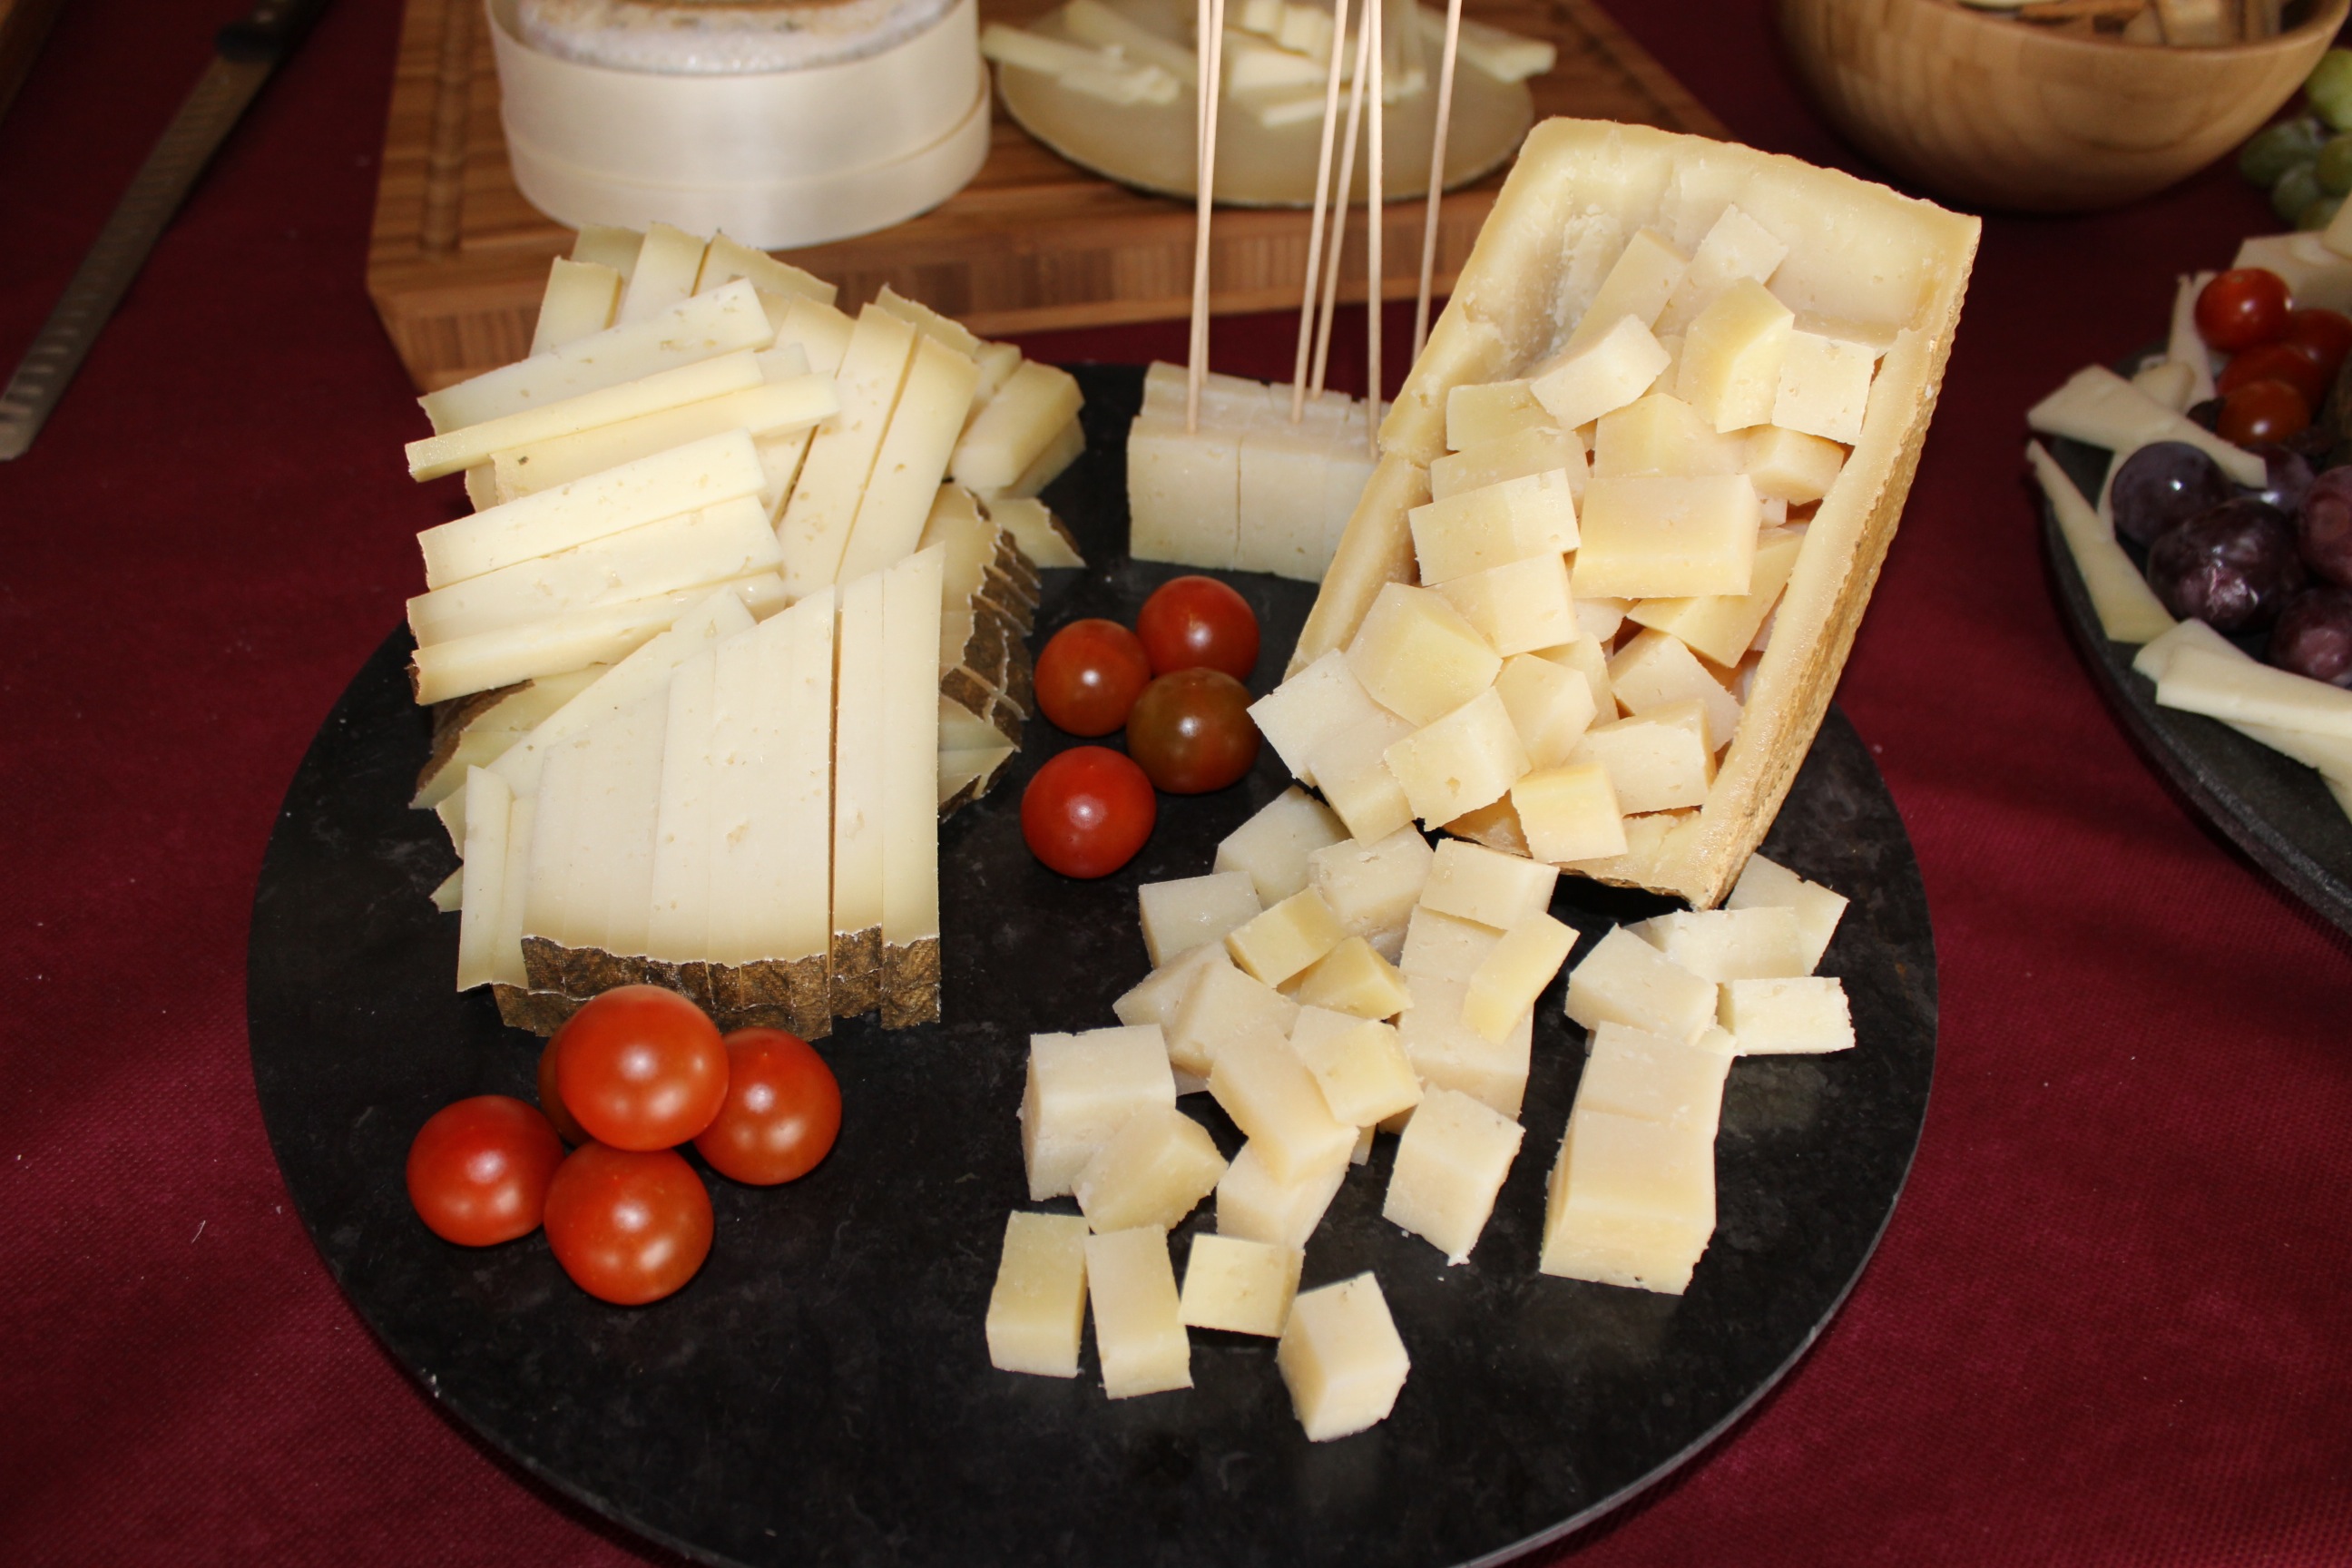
pixel 1376 49
pixel 1436 176
pixel 1211 26
pixel 1308 290
pixel 1339 212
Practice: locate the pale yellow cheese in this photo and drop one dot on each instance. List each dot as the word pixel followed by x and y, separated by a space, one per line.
pixel 727 259
pixel 1601 374
pixel 1038 1307
pixel 1472 882
pixel 1325 698
pixel 1492 525
pixel 610 245
pixel 2101 407
pixel 1624 980
pixel 1736 247
pixel 1139 1331
pixel 1255 1205
pixel 1657 537
pixel 1182 914
pixel 2236 690
pixel 577 302
pixel 815 528
pixel 1239 1285
pixel 777 413
pixel 1504 987
pixel 1551 706
pixel 1753 943
pixel 1371 888
pixel 1630 1202
pixel 1492 411
pixel 1765 884
pixel 1450 1166
pixel 1570 813
pixel 1352 770
pixel 1080 1089
pixel 1277 944
pixel 912 458
pixel 694 383
pixel 1660 761
pixel 1656 670
pixel 1660 434
pixel 1352 978
pixel 601 635
pixel 669 260
pixel 1360 1064
pixel 1644 278
pixel 488 807
pixel 1036 404
pixel 1631 1072
pixel 1154 1170
pixel 1341 1359
pixel 1777 1016
pixel 1539 448
pixel 1467 759
pixel 2127 608
pixel 1445 947
pixel 1722 626
pixel 1222 1006
pixel 1272 848
pixel 1791 466
pixel 1272 1098
pixel 1518 606
pixel 1183 491
pixel 908 719
pixel 1729 369
pixel 1447 1053
pixel 1419 659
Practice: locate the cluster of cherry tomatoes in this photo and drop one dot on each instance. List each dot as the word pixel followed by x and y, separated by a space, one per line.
pixel 1175 685
pixel 636 1073
pixel 2282 359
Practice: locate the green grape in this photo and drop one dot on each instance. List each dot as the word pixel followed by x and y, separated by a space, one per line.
pixel 2329 89
pixel 2319 214
pixel 2275 149
pixel 2297 189
pixel 2333 165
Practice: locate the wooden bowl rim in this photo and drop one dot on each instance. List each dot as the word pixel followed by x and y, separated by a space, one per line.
pixel 2329 20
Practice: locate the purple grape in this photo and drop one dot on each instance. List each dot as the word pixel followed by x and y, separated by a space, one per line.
pixel 2163 484
pixel 2322 527
pixel 2313 635
pixel 2231 566
pixel 2288 476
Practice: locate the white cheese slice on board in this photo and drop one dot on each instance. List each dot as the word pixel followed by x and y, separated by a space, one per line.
pixel 815 527
pixel 605 635
pixel 578 303
pixel 913 458
pixel 2101 407
pixel 859 753
pixel 488 804
pixel 669 264
pixel 438 455
pixel 772 410
pixel 677 921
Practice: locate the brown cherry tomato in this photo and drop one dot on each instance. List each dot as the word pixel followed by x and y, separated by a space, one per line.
pixel 1090 675
pixel 550 1099
pixel 2325 335
pixel 1191 730
pixel 782 1110
pixel 1087 811
pixel 2241 308
pixel 2283 360
pixel 1197 622
pixel 2263 411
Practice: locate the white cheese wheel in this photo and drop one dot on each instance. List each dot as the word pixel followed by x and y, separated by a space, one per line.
pixel 721 37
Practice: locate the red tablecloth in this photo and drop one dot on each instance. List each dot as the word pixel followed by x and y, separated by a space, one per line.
pixel 2109 1324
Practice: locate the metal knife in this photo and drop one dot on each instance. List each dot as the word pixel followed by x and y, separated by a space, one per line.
pixel 244 54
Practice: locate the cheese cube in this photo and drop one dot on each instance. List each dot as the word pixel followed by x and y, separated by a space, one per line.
pixel 1139 1323
pixel 1660 537
pixel 1225 1004
pixel 1155 998
pixel 1551 706
pixel 1504 987
pixel 1183 490
pixel 1272 1098
pixel 1080 1089
pixel 1601 374
pixel 1445 947
pixel 1659 434
pixel 1418 658
pixel 1275 946
pixel 1181 915
pixel 1492 525
pixel 1352 978
pixel 1569 814
pixel 1630 1202
pixel 1253 1204
pixel 1283 469
pixel 1765 884
pixel 1475 883
pixel 1467 759
pixel 1242 1286
pixel 1540 449
pixel 1774 1017
pixel 1824 387
pixel 1736 246
pixel 1358 1064
pixel 1792 467
pixel 1656 671
pixel 1732 356
pixel 1322 700
pixel 1730 945
pixel 1351 769
pixel 1624 980
pixel 1037 1310
pixel 1493 411
pixel 1363 1152
pixel 1517 606
pixel 1644 836
pixel 1640 282
pixel 1153 1172
pixel 1371 888
pixel 1658 761
pixel 1271 848
pixel 1722 625
pixel 1450 1165
pixel 1631 1072
pixel 1447 1053
pixel 1341 1359
pixel 1019 422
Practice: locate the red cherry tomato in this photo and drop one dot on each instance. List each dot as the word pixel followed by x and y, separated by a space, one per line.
pixel 641 1068
pixel 782 1110
pixel 478 1170
pixel 1191 731
pixel 2241 308
pixel 2325 335
pixel 550 1099
pixel 2281 360
pixel 1198 623
pixel 2263 411
pixel 629 1226
pixel 1087 811
pixel 1089 675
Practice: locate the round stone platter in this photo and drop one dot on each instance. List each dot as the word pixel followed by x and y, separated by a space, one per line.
pixel 2270 806
pixel 820 1391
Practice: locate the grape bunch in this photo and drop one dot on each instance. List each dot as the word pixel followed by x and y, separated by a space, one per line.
pixel 2305 161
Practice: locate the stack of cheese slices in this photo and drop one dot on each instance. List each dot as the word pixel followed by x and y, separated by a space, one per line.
pixel 713 512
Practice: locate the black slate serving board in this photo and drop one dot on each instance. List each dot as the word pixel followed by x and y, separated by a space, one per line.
pixel 820 1391
pixel 2270 806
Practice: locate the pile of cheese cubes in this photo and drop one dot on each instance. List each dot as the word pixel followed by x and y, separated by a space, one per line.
pixel 1322 988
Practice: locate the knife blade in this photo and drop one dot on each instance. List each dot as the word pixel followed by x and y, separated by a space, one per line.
pixel 244 54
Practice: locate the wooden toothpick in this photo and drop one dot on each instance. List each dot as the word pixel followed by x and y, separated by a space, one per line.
pixel 1308 292
pixel 1436 177
pixel 1374 194
pixel 1207 81
pixel 1342 190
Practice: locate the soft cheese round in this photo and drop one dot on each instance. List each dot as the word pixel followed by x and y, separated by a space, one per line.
pixel 722 38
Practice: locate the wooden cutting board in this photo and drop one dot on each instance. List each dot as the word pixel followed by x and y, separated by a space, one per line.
pixel 457 259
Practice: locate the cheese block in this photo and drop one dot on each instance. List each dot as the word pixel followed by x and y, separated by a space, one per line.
pixel 1256 1205
pixel 1624 980
pixel 1139 1324
pixel 1631 1202
pixel 1242 1286
pixel 1450 1166
pixel 1038 1307
pixel 1341 1359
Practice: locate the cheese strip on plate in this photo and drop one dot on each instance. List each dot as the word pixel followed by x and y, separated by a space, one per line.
pixel 605 635
pixel 2198 680
pixel 438 455
pixel 775 408
pixel 2101 407
pixel 2128 610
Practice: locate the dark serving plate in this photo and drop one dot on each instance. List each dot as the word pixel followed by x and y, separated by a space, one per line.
pixel 822 1393
pixel 2270 806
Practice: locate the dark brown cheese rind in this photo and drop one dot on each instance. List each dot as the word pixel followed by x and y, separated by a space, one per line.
pixel 911 983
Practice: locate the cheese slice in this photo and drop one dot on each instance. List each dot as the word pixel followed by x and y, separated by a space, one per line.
pixel 2101 407
pixel 774 408
pixel 1006 434
pixel 727 259
pixel 912 460
pixel 668 263
pixel 815 527
pixel 488 804
pixel 578 303
pixel 603 635
pixel 462 448
pixel 677 921
pixel 2127 608
pixel 684 332
pixel 908 720
pixel 860 803
pixel 2239 690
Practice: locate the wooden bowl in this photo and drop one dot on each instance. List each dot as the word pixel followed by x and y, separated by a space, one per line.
pixel 1989 111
